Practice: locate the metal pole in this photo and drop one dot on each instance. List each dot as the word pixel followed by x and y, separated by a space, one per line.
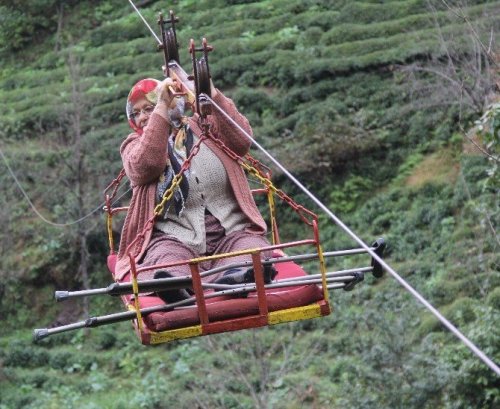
pixel 40 333
pixel 115 289
pixel 175 283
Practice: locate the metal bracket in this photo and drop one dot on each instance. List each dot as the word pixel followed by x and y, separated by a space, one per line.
pixel 169 43
pixel 379 247
pixel 201 76
pixel 358 277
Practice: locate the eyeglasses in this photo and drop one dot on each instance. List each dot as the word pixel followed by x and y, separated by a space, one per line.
pixel 146 110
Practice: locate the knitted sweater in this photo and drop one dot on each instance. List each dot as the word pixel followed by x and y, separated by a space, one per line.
pixel 145 157
pixel 209 189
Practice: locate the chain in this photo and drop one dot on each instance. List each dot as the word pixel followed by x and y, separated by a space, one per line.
pixel 254 169
pixel 160 208
pixel 115 184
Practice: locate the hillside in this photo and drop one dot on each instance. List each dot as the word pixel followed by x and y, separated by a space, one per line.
pixel 371 104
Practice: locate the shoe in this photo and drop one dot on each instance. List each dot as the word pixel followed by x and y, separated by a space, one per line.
pixel 269 273
pixel 170 296
pixel 235 276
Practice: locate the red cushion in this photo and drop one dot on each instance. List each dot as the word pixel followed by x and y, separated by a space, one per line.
pixel 111 261
pixel 222 308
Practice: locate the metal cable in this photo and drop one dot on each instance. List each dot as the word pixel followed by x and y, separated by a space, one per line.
pixel 145 22
pixel 37 212
pixel 388 268
pixel 337 221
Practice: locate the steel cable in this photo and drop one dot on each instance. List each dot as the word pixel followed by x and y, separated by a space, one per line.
pixel 145 22
pixel 356 238
pixel 37 212
pixel 480 354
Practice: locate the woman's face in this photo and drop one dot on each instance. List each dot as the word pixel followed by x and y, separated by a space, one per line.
pixel 141 111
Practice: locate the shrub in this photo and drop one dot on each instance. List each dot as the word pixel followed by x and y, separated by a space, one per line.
pixel 106 339
pixel 493 298
pixel 61 360
pixel 23 355
pixel 251 100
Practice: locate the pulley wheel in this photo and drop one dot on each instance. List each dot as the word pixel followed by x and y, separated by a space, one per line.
pixel 203 77
pixel 171 44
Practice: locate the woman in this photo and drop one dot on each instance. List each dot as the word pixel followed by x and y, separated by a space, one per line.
pixel 212 212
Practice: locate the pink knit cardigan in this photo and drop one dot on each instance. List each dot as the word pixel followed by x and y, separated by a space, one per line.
pixel 145 157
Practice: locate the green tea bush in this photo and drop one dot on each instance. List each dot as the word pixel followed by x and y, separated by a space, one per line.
pixel 309 37
pixel 126 65
pixel 128 28
pixel 227 70
pixel 470 374
pixel 358 12
pixel 106 340
pixel 37 378
pixel 20 86
pixel 109 113
pixel 285 69
pixel 21 354
pixel 19 400
pixel 461 311
pixel 61 359
pixel 13 32
pixel 251 100
pixel 356 32
pixel 320 69
pixel 350 195
pixel 405 26
pixel 109 51
pixel 493 298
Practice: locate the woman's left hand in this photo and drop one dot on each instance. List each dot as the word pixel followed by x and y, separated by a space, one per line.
pixel 165 92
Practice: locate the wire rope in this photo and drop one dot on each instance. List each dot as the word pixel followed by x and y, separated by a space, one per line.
pixel 37 212
pixel 480 354
pixel 145 22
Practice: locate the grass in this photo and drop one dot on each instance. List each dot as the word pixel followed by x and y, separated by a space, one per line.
pixel 438 167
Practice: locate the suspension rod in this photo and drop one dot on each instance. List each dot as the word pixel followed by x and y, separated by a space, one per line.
pixel 116 289
pixel 98 321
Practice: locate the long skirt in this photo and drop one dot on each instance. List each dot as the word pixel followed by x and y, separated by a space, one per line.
pixel 167 249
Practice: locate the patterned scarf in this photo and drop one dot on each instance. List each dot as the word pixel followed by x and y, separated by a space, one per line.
pixel 145 88
pixel 180 142
pixel 179 148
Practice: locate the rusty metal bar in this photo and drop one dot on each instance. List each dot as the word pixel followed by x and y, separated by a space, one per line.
pixel 259 283
pixel 198 292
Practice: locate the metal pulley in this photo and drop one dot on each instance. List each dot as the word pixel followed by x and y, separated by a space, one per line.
pixel 169 44
pixel 201 76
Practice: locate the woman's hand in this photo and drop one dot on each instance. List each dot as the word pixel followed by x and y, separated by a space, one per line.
pixel 166 100
pixel 165 92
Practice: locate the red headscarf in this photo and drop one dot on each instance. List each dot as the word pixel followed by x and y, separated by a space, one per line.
pixel 145 88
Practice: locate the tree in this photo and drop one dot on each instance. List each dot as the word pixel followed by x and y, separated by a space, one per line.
pixel 463 71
